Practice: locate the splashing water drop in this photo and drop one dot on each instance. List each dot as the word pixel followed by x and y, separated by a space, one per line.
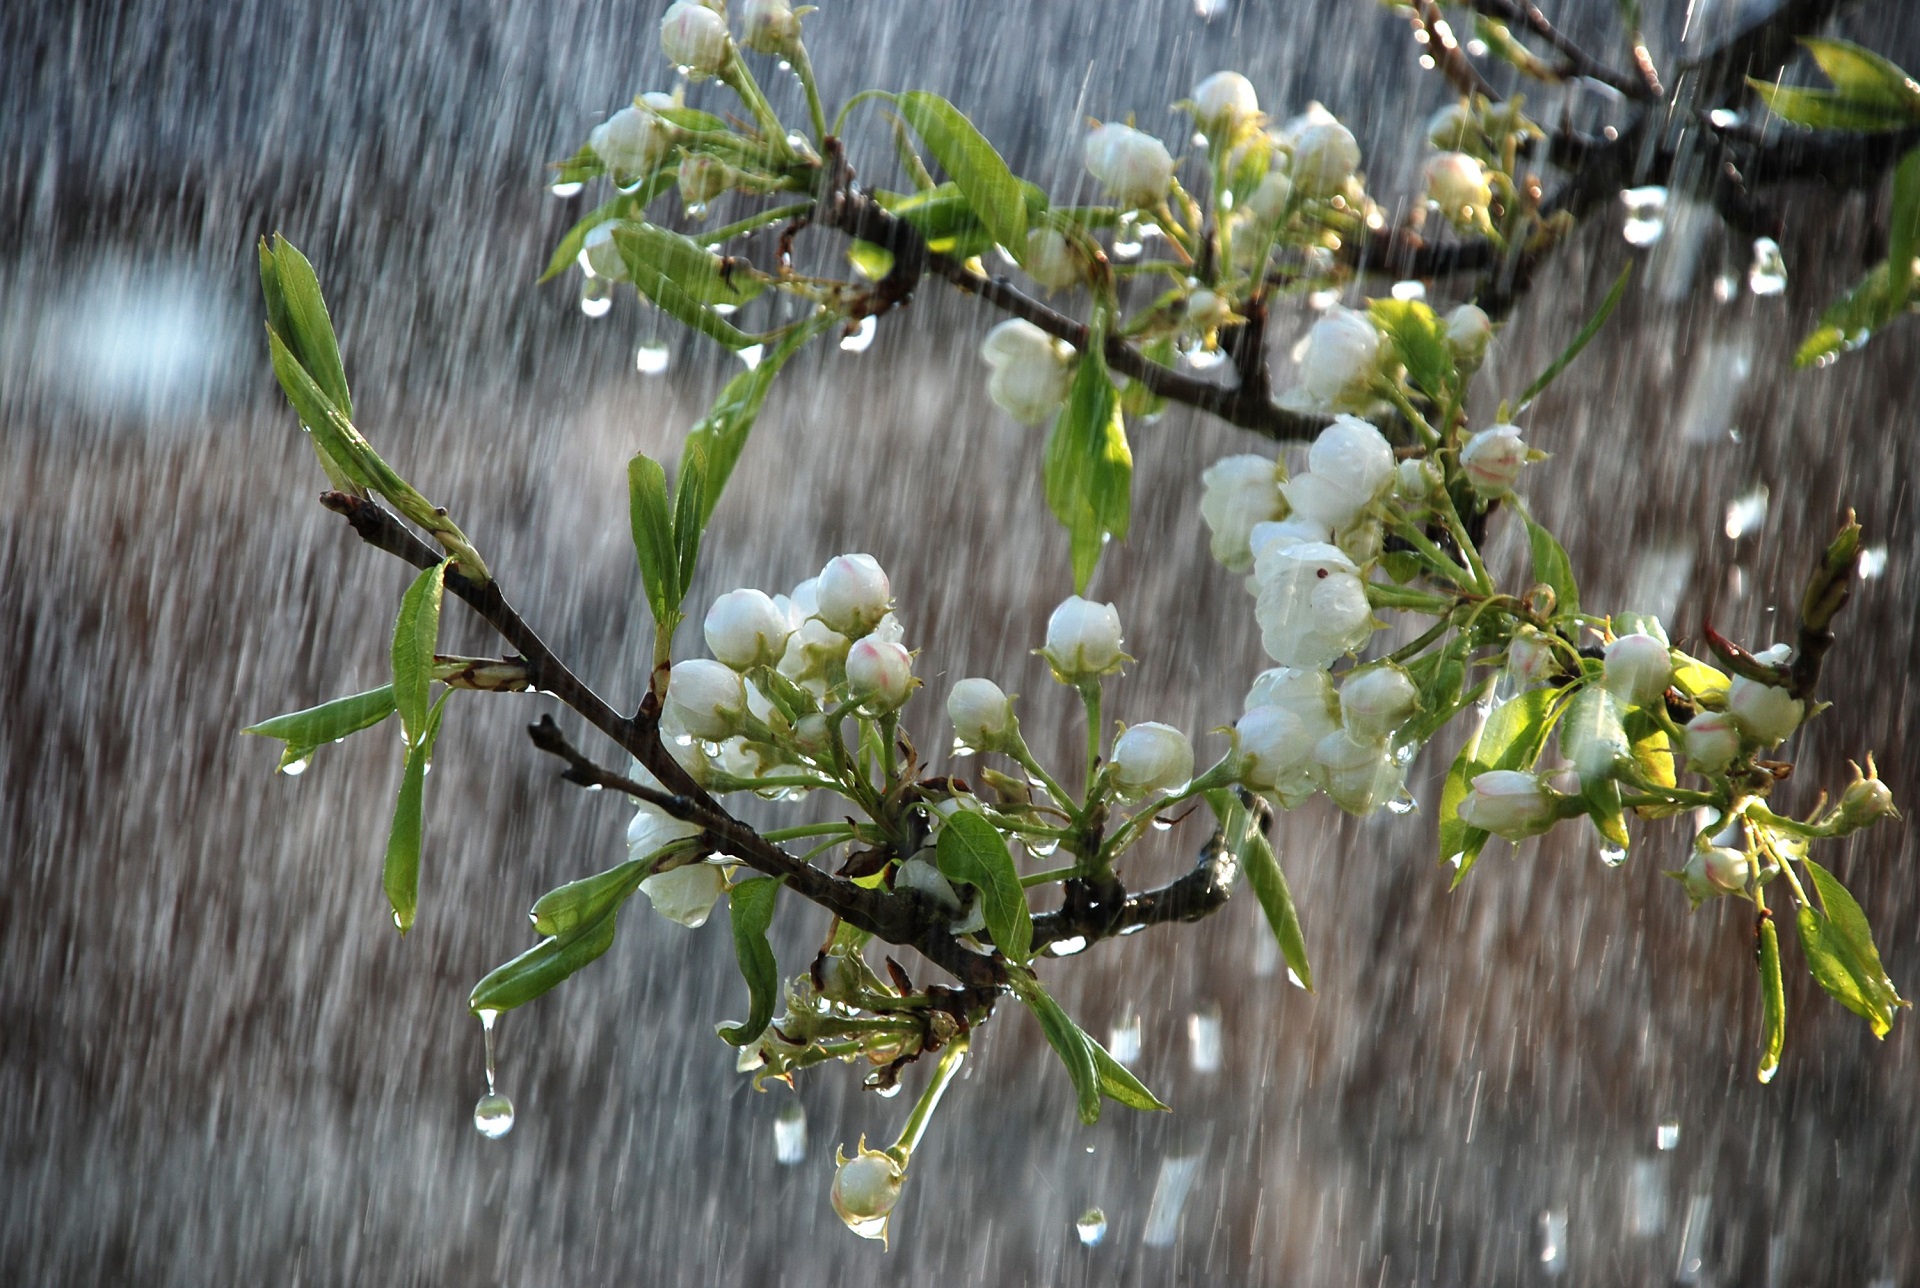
pixel 860 339
pixel 493 1115
pixel 652 359
pixel 1667 1134
pixel 1768 274
pixel 1091 1227
pixel 790 1134
pixel 564 190
pixel 1203 1040
pixel 1123 1039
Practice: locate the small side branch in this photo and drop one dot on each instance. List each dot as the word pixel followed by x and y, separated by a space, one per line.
pixel 1574 61
pixel 1202 891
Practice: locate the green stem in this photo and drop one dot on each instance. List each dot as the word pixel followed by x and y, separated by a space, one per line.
pixel 1051 875
pixel 1412 650
pixel 1024 755
pixel 1429 436
pixel 1090 698
pixel 751 222
pixel 803 68
pixel 740 80
pixel 943 1073
pixel 840 120
pixel 779 834
pixel 1410 532
pixel 1458 530
pixel 1222 233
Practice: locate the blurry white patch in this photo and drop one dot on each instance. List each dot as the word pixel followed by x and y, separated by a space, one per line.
pixel 1747 512
pixel 1873 562
pixel 1725 365
pixel 1169 1199
pixel 1660 576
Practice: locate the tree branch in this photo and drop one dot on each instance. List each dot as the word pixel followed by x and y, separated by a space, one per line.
pixel 1202 891
pixel 1575 61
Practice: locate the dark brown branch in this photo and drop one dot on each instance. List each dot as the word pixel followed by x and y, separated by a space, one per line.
pixel 1447 54
pixel 1575 61
pixel 1759 51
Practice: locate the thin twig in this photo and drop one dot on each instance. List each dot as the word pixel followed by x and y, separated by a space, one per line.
pixel 1447 54
pixel 1575 61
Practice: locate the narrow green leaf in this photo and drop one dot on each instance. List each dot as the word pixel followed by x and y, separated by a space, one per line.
pixel 416 635
pixel 626 205
pixel 750 907
pixel 1074 1047
pixel 1262 867
pixel 722 433
pixel 276 299
pixel 341 449
pixel 542 966
pixel 1089 465
pixel 650 515
pixel 400 873
pixel 1652 750
pixel 1552 568
pixel 1420 339
pixel 1572 351
pixel 1842 955
pixel 1773 1001
pixel 1512 738
pixel 964 153
pixel 972 850
pixel 580 167
pixel 1851 320
pixel 564 910
pixel 1117 1082
pixel 1903 230
pixel 305 732
pixel 870 260
pixel 1697 678
pixel 685 279
pixel 309 327
pixel 1826 109
pixel 1865 77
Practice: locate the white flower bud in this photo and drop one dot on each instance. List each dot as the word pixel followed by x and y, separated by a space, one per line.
pixel 1530 658
pixel 1053 261
pixel 768 26
pixel 1342 357
pixel 1305 691
pixel 1083 640
pixel 1324 158
pixel 1415 479
pixel 1493 459
pixel 813 735
pixel 1726 867
pixel 633 140
pixel 1712 742
pixel 707 699
pixel 1469 331
pixel 1266 539
pixel 1449 128
pixel 880 672
pixel 1268 201
pixel 1357 774
pixel 1349 465
pixel 652 827
pixel 1032 371
pixel 602 256
pixel 1151 757
pixel 1135 168
pixel 981 712
pixel 702 178
pixel 1240 492
pixel 1208 311
pixel 853 594
pixel 1223 102
pixel 1312 605
pixel 919 875
pixel 686 894
pixel 1866 801
pixel 812 652
pixel 1764 713
pixel 1275 747
pixel 746 628
pixel 865 1190
pixel 1509 803
pixel 1638 669
pixel 1376 700
pixel 1458 184
pixel 694 37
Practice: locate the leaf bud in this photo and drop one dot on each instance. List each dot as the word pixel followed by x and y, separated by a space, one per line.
pixel 1493 459
pixel 694 37
pixel 1151 757
pixel 982 714
pixel 1639 668
pixel 745 629
pixel 853 594
pixel 1449 129
pixel 881 672
pixel 706 698
pixel 1509 803
pixel 1866 801
pixel 1083 640
pixel 702 178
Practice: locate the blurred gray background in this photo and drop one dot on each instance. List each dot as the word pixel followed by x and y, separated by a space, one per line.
pixel 219 1065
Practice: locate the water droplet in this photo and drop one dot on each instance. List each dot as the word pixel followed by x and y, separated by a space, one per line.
pixel 1161 823
pixel 1067 947
pixel 1725 118
pixel 1201 359
pixel 1726 288
pixel 1873 562
pixel 1612 855
pixel 887 1093
pixel 399 924
pixel 493 1115
pixel 1123 1039
pixel 1403 803
pixel 790 1134
pixel 1747 512
pixel 1203 1040
pixel 784 65
pixel 596 298
pixel 295 768
pixel 564 190
pixel 1169 1199
pixel 1293 978
pixel 751 355
pixel 1319 302
pixel 725 310
pixel 1766 1074
pixel 959 749
pixel 698 210
pixel 1693 1238
pixel 1410 290
pixel 1667 1134
pixel 1646 215
pixel 1091 1227
pixel 652 359
pixel 874 1227
pixel 1553 1242
pixel 860 339
pixel 1768 273
pixel 1041 847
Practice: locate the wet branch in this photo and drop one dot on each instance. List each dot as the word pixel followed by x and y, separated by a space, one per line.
pixel 1574 61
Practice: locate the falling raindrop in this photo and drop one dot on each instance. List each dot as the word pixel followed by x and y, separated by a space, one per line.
pixel 860 339
pixel 1748 512
pixel 1169 1199
pixel 1123 1039
pixel 1266 956
pixel 790 1134
pixel 1091 1227
pixel 1409 290
pixel 1768 274
pixel 1724 118
pixel 1203 1039
pixel 1693 1239
pixel 652 359
pixel 1553 1242
pixel 1647 1198
pixel 1646 215
pixel 1667 1134
pixel 1873 563
pixel 564 190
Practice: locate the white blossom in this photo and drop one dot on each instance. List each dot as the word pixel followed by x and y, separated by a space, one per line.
pixel 1151 757
pixel 1240 492
pixel 1083 639
pixel 1458 184
pixel 1765 713
pixel 1134 167
pixel 634 139
pixel 1269 198
pixel 1312 605
pixel 981 712
pixel 706 698
pixel 1638 668
pixel 1712 741
pixel 1493 458
pixel 768 26
pixel 1357 774
pixel 1032 371
pixel 1223 102
pixel 1053 261
pixel 1342 357
pixel 1376 700
pixel 880 672
pixel 1275 747
pixel 1509 803
pixel 1469 331
pixel 686 894
pixel 853 594
pixel 747 628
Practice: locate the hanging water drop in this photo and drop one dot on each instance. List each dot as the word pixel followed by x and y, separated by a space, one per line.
pixel 790 1134
pixel 493 1115
pixel 1161 823
pixel 860 339
pixel 1612 855
pixel 652 359
pixel 564 190
pixel 596 298
pixel 295 768
pixel 752 354
pixel 1091 1227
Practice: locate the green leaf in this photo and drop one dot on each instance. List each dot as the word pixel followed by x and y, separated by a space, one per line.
pixel 542 966
pixel 627 205
pixel 1552 568
pixel 870 260
pixel 750 907
pixel 1602 799
pixel 307 731
pixel 1089 465
pixel 1841 953
pixel 963 152
pixel 1826 109
pixel 400 874
pixel 690 509
pixel 566 909
pixel 1074 1047
pixel 1512 738
pixel 1864 76
pixel 309 328
pixel 686 279
pixel 722 433
pixel 1420 338
pixel 1243 835
pixel 1773 1000
pixel 416 634
pixel 650 515
pixel 1572 351
pixel 1697 678
pixel 1903 230
pixel 1652 750
pixel 972 850
pixel 1851 320
pixel 1117 1082
pixel 580 167
pixel 341 449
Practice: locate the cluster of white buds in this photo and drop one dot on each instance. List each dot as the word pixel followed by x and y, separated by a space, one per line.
pixel 1032 371
pixel 1223 104
pixel 1289 712
pixel 695 38
pixel 1134 167
pixel 1349 467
